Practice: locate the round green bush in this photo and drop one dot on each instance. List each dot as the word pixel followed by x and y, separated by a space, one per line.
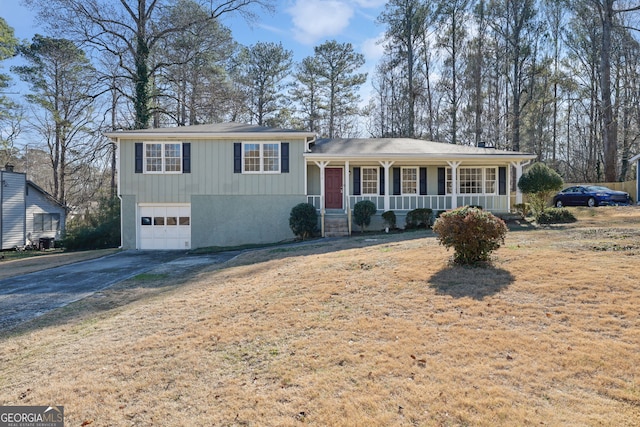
pixel 362 213
pixel 389 218
pixel 303 220
pixel 471 232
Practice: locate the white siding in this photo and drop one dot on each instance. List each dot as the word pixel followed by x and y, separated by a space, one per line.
pixel 12 212
pixel 38 203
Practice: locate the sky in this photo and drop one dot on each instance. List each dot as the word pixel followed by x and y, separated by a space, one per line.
pixel 298 24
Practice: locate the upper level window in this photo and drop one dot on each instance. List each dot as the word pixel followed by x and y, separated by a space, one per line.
pixel 261 157
pixel 409 180
pixel 162 157
pixel 369 180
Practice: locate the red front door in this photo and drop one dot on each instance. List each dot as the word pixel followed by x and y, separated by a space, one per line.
pixel 333 188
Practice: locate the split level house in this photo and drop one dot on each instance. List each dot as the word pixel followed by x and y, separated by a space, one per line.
pixel 29 216
pixel 234 184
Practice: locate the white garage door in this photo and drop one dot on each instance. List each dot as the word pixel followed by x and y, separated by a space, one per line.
pixel 165 226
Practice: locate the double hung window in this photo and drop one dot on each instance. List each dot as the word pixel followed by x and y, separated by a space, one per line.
pixel 409 181
pixel 162 157
pixel 369 180
pixel 261 157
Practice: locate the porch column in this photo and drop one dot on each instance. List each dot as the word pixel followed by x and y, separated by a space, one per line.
pixel 454 183
pixel 518 166
pixel 345 188
pixel 387 194
pixel 322 165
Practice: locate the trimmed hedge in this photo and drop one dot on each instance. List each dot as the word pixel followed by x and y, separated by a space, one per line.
pixel 389 218
pixel 303 220
pixel 417 218
pixel 362 213
pixel 556 216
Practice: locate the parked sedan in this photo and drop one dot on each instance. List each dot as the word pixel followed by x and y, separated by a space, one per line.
pixel 590 195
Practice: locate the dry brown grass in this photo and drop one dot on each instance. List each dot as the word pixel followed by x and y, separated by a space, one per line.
pixel 363 332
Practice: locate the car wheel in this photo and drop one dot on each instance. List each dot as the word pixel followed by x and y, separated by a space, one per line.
pixel 559 203
pixel 591 202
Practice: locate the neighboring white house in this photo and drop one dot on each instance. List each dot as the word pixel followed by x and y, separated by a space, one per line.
pixel 27 213
pixel 233 184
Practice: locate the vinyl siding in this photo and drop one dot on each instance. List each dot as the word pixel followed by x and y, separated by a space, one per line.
pixel 211 174
pixel 39 203
pixel 12 210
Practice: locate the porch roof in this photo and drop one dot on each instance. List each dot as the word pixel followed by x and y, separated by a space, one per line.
pixel 352 148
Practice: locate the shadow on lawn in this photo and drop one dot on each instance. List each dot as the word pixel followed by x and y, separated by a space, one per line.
pixel 471 282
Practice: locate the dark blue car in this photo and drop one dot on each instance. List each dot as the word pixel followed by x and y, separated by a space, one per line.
pixel 590 195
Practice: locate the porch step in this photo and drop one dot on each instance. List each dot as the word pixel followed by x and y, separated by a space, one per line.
pixel 336 226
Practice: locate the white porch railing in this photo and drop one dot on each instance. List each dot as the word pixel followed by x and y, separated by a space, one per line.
pixel 436 203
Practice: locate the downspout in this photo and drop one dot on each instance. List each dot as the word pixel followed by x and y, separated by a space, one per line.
pixel 117 141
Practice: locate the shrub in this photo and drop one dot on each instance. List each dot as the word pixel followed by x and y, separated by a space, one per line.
pixel 362 213
pixel 539 182
pixel 471 232
pixel 389 218
pixel 95 230
pixel 421 217
pixel 522 209
pixel 556 216
pixel 303 220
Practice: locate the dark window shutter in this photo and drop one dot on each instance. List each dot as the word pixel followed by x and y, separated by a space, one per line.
pixel 396 181
pixel 382 182
pixel 502 181
pixel 237 157
pixel 356 182
pixel 423 181
pixel 186 157
pixel 138 147
pixel 284 157
pixel 442 181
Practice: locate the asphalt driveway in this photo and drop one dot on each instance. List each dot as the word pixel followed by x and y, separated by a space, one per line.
pixel 28 296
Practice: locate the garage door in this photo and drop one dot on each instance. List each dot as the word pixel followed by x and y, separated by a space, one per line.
pixel 165 226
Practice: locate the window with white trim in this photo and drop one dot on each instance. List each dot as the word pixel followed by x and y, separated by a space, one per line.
pixel 409 181
pixel 162 157
pixel 46 221
pixel 369 180
pixel 261 157
pixel 474 180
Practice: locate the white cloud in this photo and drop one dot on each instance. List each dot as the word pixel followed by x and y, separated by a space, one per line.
pixel 315 20
pixel 371 4
pixel 372 48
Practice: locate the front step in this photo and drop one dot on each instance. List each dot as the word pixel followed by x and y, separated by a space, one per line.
pixel 336 226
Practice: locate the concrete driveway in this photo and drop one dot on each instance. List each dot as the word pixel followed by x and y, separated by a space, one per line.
pixel 28 296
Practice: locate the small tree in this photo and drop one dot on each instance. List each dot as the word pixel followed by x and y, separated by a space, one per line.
pixel 473 234
pixel 362 213
pixel 303 220
pixel 539 182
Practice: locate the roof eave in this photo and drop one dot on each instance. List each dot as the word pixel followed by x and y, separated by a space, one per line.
pixel 421 156
pixel 120 136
